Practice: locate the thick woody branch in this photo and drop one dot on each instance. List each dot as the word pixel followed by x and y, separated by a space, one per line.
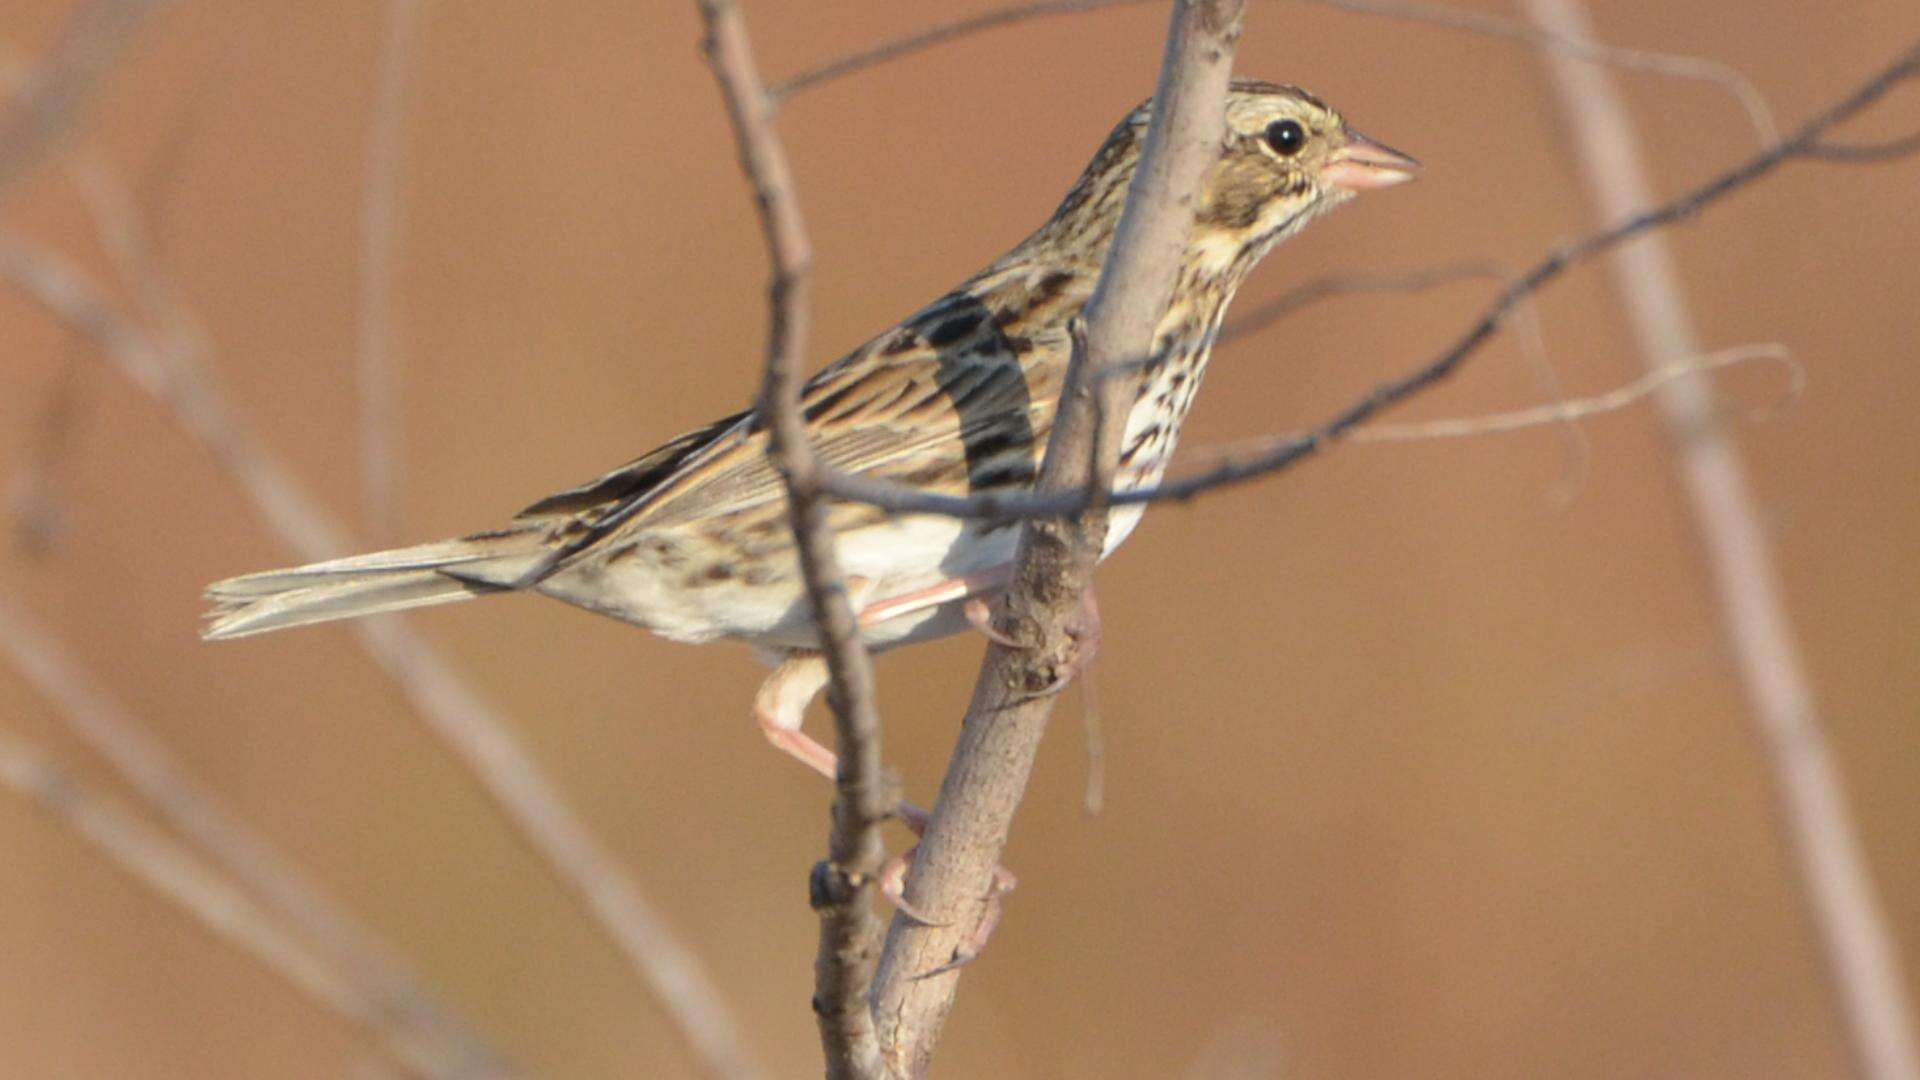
pixel 842 887
pixel 394 1002
pixel 1804 143
pixel 478 736
pixel 988 774
pixel 1809 797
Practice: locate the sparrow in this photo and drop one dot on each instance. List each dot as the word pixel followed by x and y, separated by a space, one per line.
pixel 692 540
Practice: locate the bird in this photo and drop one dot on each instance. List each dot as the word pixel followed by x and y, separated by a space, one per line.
pixel 691 540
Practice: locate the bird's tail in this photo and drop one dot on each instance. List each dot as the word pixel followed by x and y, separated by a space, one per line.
pixel 437 573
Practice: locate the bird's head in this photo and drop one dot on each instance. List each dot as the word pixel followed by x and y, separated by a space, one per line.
pixel 1287 157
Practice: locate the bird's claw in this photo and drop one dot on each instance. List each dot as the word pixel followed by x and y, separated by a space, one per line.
pixel 980 614
pixel 969 949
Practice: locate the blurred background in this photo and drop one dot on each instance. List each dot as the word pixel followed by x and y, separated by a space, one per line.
pixel 1423 760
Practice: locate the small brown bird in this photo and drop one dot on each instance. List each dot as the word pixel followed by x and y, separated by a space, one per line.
pixel 691 541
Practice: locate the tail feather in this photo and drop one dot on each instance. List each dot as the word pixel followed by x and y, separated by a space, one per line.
pixel 362 584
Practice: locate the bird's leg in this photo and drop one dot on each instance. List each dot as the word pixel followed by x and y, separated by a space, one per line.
pixel 980 614
pixel 972 588
pixel 780 706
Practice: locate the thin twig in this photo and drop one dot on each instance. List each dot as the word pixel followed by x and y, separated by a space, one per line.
pixel 932 36
pixel 59 87
pixel 1671 65
pixel 1584 408
pixel 842 887
pixel 174 873
pixel 380 426
pixel 1809 796
pixel 915 986
pixel 397 1004
pixel 1567 411
pixel 901 499
pixel 480 738
pixel 1526 326
pixel 1328 286
pixel 1866 152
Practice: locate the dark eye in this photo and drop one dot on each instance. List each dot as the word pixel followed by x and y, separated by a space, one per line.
pixel 1286 137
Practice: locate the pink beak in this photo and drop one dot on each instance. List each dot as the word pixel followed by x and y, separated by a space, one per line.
pixel 1364 165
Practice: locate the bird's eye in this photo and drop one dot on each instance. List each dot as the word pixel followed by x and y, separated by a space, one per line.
pixel 1286 137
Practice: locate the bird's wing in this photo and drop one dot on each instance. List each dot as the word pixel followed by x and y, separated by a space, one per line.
pixel 632 480
pixel 951 401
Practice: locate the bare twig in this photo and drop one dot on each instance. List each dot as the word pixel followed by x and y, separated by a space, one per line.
pixel 1473 22
pixel 1526 328
pixel 901 499
pixel 1566 411
pixel 1866 152
pixel 842 887
pixel 395 1002
pixel 1328 286
pixel 477 734
pixel 1809 797
pixel 380 426
pixel 915 986
pixel 1584 408
pixel 932 36
pixel 176 874
pixel 60 86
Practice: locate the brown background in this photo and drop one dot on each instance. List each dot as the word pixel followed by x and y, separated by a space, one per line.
pixel 1414 770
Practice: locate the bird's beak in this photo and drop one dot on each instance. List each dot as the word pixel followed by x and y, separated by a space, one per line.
pixel 1363 165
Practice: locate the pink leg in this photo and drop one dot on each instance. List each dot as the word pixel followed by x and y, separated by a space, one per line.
pixel 991 580
pixel 780 706
pixel 782 703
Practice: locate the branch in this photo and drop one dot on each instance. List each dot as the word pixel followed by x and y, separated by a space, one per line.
pixel 1803 143
pixel 917 980
pixel 1810 801
pixel 842 887
pixel 1567 411
pixel 94 36
pixel 174 873
pixel 479 737
pixel 1326 287
pixel 1865 152
pixel 395 1003
pixel 1473 22
pixel 380 427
